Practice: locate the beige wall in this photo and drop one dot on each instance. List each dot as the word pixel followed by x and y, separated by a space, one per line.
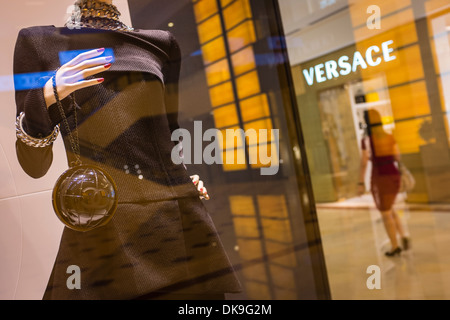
pixel 313 30
pixel 29 230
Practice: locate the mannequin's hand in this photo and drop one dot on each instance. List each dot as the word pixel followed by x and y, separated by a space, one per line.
pixel 70 77
pixel 201 189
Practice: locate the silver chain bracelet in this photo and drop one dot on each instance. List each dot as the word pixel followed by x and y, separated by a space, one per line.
pixel 31 141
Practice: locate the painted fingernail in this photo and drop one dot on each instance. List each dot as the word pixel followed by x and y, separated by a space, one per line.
pixel 100 80
pixel 101 50
pixel 109 58
pixel 108 65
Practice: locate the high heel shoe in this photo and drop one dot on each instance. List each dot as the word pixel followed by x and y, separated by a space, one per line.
pixel 406 243
pixel 394 252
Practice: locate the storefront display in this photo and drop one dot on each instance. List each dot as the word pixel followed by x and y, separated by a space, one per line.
pixel 294 118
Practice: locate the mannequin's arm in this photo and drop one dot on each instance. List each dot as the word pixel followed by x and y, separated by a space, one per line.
pixel 35 96
pixel 172 77
pixel 362 171
pixel 36 123
pixel 397 153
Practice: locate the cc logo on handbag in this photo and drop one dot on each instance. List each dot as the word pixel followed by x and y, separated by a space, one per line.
pixel 94 198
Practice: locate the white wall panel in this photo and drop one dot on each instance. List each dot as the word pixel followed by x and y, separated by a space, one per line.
pixel 325 36
pixel 7 185
pixel 41 235
pixel 10 247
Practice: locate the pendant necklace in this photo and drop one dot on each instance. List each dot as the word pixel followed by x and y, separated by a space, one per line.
pixel 85 196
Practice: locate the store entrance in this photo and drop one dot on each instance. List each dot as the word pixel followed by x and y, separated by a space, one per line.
pixel 338 127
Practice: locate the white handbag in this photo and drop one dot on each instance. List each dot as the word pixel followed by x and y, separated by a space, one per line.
pixel 408 182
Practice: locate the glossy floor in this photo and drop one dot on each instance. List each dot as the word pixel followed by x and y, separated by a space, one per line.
pixel 354 238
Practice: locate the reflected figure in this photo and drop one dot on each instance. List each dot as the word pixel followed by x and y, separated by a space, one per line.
pixel 381 148
pixel 161 242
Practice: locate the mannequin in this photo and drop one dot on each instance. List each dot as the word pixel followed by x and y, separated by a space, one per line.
pixel 161 242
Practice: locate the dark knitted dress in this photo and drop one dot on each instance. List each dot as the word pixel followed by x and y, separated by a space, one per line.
pixel 161 239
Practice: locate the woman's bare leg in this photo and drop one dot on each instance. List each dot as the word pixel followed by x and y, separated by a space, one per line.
pixel 391 227
pixel 398 224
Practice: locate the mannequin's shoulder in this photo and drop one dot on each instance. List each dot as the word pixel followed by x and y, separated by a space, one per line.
pixel 162 36
pixel 36 30
pixel 165 40
pixel 153 33
pixel 38 33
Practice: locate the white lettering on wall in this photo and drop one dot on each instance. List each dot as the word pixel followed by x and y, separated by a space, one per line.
pixel 369 56
pixel 387 51
pixel 358 61
pixel 320 73
pixel 309 76
pixel 344 65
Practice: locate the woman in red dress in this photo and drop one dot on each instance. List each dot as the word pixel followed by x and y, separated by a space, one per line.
pixel 380 148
